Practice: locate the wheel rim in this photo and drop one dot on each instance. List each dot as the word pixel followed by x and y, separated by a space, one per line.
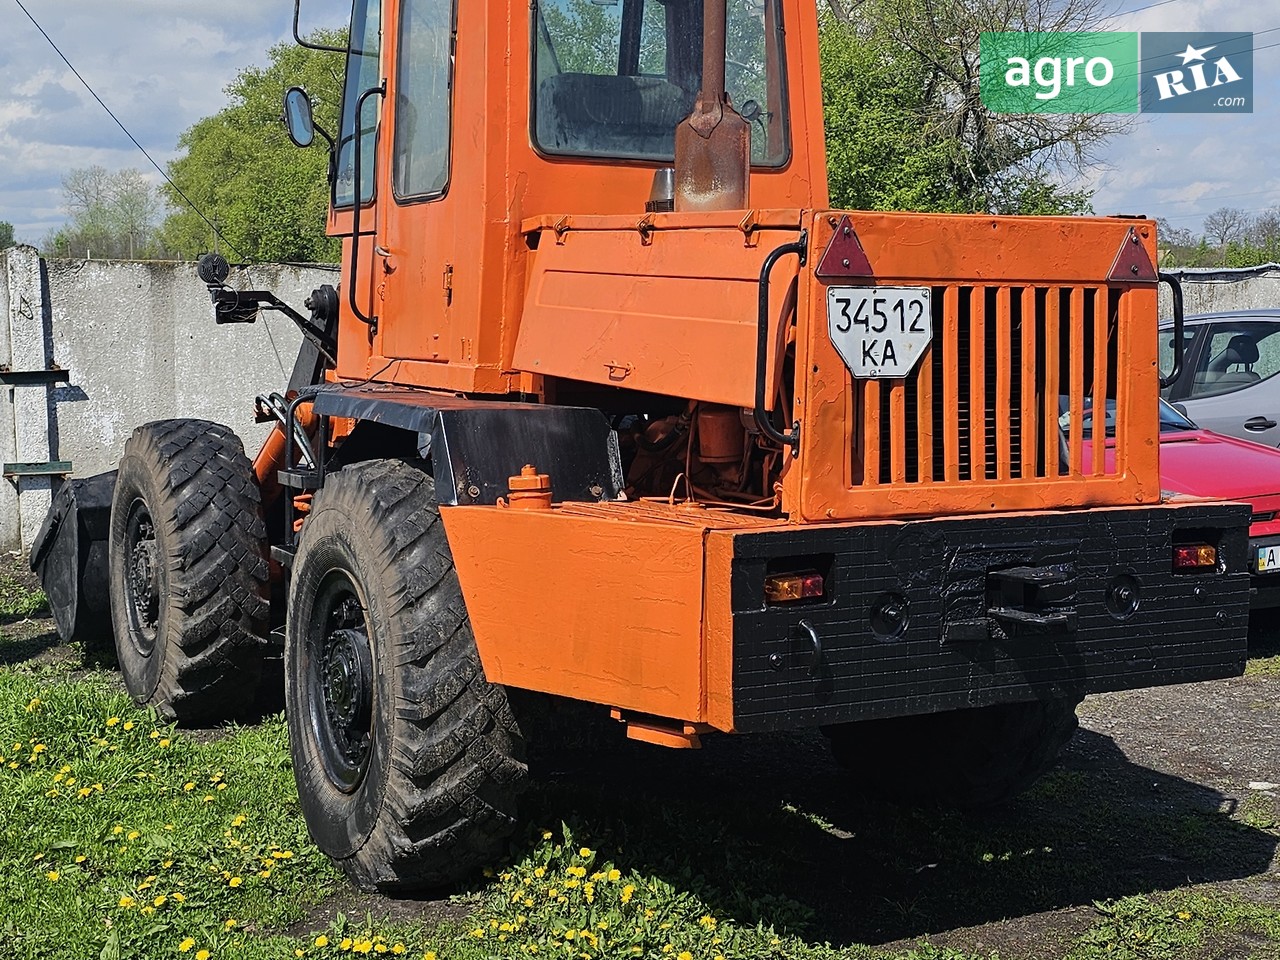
pixel 340 681
pixel 143 587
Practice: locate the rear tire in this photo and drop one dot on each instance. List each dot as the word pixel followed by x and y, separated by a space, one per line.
pixel 958 758
pixel 188 571
pixel 409 762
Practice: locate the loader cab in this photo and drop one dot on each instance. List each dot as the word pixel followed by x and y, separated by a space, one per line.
pixel 462 123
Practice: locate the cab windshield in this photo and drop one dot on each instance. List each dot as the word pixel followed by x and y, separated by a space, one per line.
pixel 613 78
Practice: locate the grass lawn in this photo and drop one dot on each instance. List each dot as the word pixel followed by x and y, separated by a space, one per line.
pixel 123 837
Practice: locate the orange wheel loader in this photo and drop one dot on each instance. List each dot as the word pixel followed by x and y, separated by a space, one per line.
pixel 609 406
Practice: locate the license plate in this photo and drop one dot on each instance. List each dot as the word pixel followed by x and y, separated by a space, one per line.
pixel 1268 559
pixel 879 332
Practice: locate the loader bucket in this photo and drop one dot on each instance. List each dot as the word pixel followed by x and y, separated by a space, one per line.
pixel 70 558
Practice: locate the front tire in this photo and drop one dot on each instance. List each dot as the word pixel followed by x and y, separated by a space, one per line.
pixel 959 758
pixel 409 762
pixel 188 571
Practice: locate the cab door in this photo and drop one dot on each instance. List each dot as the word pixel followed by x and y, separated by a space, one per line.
pixel 413 257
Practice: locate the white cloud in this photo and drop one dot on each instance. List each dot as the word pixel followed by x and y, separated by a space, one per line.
pixel 159 65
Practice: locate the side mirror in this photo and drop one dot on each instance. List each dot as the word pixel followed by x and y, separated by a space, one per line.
pixel 297 117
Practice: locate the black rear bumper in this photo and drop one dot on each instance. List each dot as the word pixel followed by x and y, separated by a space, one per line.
pixel 936 615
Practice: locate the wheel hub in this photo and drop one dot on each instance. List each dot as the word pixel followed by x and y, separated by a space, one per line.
pixel 345 681
pixel 144 575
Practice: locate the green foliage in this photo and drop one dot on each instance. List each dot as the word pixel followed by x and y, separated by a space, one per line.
pixel 17 600
pixel 6 235
pixel 268 199
pixel 905 131
pixel 112 216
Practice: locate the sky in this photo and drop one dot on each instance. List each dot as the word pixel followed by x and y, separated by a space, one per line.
pixel 161 65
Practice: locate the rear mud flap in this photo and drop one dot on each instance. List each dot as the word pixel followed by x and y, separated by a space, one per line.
pixel 70 558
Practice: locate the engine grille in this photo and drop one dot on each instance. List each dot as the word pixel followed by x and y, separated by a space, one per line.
pixel 1006 390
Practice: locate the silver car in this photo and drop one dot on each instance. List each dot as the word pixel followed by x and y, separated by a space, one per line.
pixel 1229 381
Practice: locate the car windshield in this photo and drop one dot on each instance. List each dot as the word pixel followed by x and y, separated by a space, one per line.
pixel 1171 421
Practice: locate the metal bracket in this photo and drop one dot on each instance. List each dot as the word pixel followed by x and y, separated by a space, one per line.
pixel 32 378
pixel 49 468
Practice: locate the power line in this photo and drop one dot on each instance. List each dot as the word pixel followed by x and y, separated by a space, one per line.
pixel 134 139
pixel 1149 6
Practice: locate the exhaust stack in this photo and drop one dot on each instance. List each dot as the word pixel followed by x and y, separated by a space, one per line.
pixel 713 144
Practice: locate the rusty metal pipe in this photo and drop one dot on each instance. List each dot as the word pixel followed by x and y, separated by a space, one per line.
pixel 713 145
pixel 713 50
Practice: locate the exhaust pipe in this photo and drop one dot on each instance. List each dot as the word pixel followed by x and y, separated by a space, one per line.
pixel 713 144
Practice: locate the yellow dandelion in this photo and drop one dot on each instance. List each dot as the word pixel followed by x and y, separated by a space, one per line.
pixel 345 944
pixel 707 921
pixel 160 901
pixel 397 948
pixel 298 952
pixel 178 897
pixel 429 955
pixel 202 955
pixel 132 835
pixel 112 721
pixel 539 871
pixel 128 724
pixel 585 852
pixel 38 748
pixel 65 768
pixel 228 924
pixel 322 941
pixel 684 955
pixel 34 705
pixel 188 786
pixel 164 743
pixel 380 948
pixel 53 876
pixel 1184 915
pixel 154 734
pixel 186 945
pixel 627 893
pixel 614 876
pixel 147 911
pixel 208 797
pixel 167 864
pixel 546 834
pixel 264 874
pixel 117 829
pixel 238 820
pixel 362 946
pixel 99 787
pixel 85 791
pixel 234 882
pixel 127 902
pixel 81 858
pixel 222 786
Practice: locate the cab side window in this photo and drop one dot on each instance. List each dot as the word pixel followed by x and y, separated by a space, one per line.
pixel 1236 356
pixel 424 80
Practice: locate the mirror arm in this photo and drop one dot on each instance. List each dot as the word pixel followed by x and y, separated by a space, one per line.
pixel 297 12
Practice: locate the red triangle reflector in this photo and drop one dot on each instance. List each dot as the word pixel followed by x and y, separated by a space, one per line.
pixel 844 256
pixel 1132 265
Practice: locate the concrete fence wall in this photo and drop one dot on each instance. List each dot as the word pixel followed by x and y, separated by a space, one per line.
pixel 140 344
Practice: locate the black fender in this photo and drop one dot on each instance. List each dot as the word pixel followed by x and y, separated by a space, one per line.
pixel 476 445
pixel 69 556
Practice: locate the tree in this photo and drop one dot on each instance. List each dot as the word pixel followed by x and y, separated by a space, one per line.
pixel 267 198
pixel 6 235
pixel 112 215
pixel 905 73
pixel 1225 225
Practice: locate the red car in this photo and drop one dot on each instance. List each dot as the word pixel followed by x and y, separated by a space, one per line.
pixel 1205 464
